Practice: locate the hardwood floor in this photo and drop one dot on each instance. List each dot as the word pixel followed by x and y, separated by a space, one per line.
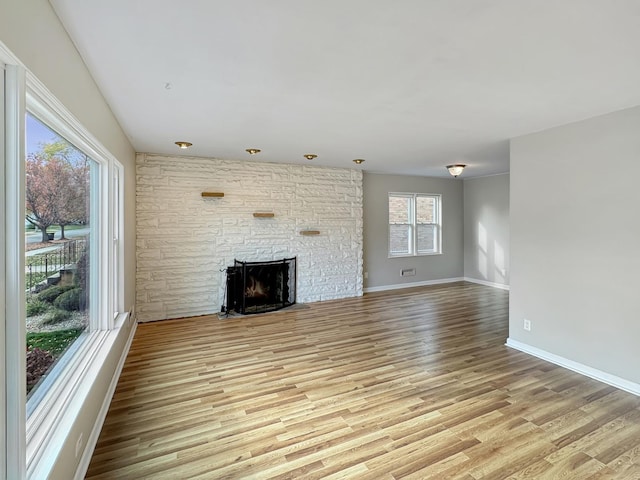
pixel 411 384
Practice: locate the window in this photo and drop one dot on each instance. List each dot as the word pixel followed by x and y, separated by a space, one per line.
pixel 61 221
pixel 83 206
pixel 414 224
pixel 61 190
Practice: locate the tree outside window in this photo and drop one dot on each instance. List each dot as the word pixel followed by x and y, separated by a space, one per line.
pixel 56 187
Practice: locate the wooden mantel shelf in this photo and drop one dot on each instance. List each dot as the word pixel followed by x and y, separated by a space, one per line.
pixel 212 194
pixel 309 232
pixel 263 214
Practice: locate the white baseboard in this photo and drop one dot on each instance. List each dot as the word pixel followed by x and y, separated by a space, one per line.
pixel 412 284
pixel 585 370
pixel 92 440
pixel 502 286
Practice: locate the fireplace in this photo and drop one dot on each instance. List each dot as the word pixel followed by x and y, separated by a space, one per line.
pixel 258 287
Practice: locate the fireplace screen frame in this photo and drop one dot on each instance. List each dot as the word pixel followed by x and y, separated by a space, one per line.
pixel 241 278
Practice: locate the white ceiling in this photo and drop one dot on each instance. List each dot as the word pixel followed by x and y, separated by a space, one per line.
pixel 408 85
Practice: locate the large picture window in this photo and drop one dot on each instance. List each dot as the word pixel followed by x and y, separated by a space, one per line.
pixel 60 221
pixel 414 224
pixel 61 196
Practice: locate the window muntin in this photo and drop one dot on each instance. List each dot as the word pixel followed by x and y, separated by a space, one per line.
pixel 414 224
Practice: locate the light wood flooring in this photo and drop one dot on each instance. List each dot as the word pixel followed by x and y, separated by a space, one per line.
pixel 412 384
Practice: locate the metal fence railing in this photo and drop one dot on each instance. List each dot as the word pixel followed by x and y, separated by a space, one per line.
pixel 41 266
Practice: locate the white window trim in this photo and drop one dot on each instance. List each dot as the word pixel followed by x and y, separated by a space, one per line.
pixel 3 363
pixel 414 225
pixel 15 385
pixel 31 446
pixel 116 298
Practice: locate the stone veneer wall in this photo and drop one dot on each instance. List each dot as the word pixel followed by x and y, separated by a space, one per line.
pixel 185 240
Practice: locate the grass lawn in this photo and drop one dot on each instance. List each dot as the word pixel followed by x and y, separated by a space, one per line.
pixel 53 342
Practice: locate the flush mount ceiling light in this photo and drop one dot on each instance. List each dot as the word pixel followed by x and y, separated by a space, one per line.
pixel 358 161
pixel 456 169
pixel 183 144
pixel 252 151
pixel 310 156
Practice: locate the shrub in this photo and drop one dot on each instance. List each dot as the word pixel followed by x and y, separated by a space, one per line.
pixel 69 300
pixel 56 316
pixel 50 294
pixel 35 306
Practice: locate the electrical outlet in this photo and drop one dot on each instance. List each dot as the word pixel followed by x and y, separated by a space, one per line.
pixel 366 275
pixel 79 445
pixel 527 325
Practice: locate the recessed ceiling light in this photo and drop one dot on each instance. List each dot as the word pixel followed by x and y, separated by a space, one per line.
pixel 183 144
pixel 358 161
pixel 310 156
pixel 252 151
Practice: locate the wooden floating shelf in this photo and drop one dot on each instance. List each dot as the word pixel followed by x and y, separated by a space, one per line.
pixel 212 194
pixel 263 214
pixel 309 232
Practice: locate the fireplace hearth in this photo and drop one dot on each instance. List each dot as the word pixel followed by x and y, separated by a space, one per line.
pixel 258 287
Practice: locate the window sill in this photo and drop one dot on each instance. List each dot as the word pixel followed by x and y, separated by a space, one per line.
pixel 409 255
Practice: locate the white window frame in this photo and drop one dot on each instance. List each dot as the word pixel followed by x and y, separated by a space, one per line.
pixel 3 367
pixel 34 435
pixel 13 275
pixel 413 224
pixel 117 264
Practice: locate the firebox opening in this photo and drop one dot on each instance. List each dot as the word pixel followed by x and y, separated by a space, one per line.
pixel 258 287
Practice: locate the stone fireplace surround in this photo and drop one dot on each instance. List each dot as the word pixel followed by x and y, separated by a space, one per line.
pixel 185 241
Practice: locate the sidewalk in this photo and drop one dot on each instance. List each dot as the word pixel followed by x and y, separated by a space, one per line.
pixel 43 250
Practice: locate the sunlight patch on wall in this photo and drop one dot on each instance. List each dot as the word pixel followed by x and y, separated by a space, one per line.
pixel 482 250
pixel 499 262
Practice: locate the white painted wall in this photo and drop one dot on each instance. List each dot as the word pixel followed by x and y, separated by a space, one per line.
pixel 184 240
pixel 384 272
pixel 575 242
pixel 486 230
